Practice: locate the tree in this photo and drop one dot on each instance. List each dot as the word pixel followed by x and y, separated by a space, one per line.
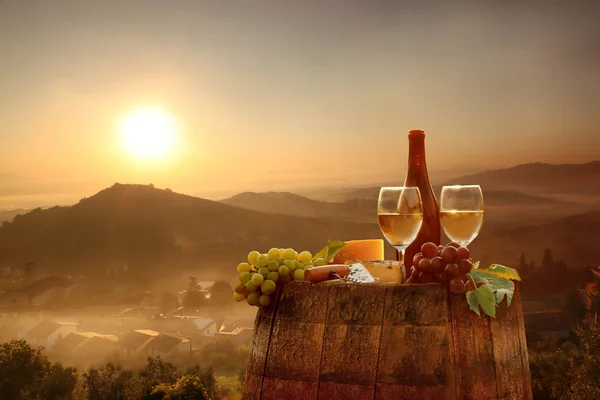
pixel 547 259
pixel 168 302
pixel 186 388
pixel 584 372
pixel 207 377
pixel 220 293
pixel 193 285
pixel 112 381
pixel 575 304
pixel 26 373
pixel 156 372
pixel 193 295
pixel 522 263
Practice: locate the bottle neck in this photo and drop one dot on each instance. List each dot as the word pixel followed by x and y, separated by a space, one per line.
pixel 416 151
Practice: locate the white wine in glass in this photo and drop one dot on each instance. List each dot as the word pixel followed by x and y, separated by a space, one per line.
pixel 400 215
pixel 461 212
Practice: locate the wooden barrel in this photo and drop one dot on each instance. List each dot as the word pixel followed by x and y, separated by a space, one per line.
pixel 360 342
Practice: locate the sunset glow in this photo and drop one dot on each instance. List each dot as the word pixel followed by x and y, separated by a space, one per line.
pixel 149 133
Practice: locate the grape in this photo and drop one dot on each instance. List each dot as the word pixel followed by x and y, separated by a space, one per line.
pixel 281 251
pixel 250 287
pixel 430 250
pixel 440 248
pixel 268 287
pixel 263 271
pixel 253 298
pixel 442 277
pixel 264 300
pixel 245 277
pixel 273 254
pixel 437 265
pixel 453 244
pixel 273 266
pixel 298 275
pixel 252 257
pixel 239 297
pixel 290 254
pixel 413 271
pixel 320 262
pixel 290 264
pixel 240 288
pixel 463 277
pixel 297 265
pixel 464 266
pixel 306 265
pixel 305 256
pixel 417 258
pixel 452 270
pixel 273 276
pixel 262 260
pixel 284 270
pixel 449 254
pixel 424 264
pixel 243 267
pixel 463 253
pixel 426 277
pixel 457 286
pixel 287 278
pixel 258 279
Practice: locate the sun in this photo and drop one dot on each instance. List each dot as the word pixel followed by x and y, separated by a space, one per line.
pixel 149 133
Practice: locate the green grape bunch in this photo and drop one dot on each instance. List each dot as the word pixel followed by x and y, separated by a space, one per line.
pixel 263 273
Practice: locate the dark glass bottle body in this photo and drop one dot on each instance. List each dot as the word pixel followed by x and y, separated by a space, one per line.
pixel 417 176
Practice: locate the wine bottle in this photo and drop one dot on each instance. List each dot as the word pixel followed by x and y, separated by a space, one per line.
pixel 417 176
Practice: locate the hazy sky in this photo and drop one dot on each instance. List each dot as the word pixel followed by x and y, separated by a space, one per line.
pixel 278 94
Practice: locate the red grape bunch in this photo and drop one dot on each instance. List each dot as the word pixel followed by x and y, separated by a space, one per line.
pixel 444 264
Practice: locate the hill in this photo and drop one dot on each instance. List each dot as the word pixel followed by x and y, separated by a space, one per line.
pixel 8 215
pixel 562 178
pixel 573 238
pixel 153 230
pixel 287 203
pixel 505 208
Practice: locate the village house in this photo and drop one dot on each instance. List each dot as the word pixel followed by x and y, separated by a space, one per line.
pixel 88 346
pixel 231 323
pixel 46 333
pixel 47 291
pixel 153 343
pixel 189 311
pixel 238 335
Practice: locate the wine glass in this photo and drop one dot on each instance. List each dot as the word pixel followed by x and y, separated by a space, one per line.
pixel 461 212
pixel 400 215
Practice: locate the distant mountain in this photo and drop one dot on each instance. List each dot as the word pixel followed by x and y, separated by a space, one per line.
pixel 492 197
pixel 564 178
pixel 8 215
pixel 293 204
pixel 573 239
pixel 152 229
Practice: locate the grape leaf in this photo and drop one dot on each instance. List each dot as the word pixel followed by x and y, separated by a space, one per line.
pixel 504 272
pixel 499 285
pixel 484 298
pixel 328 252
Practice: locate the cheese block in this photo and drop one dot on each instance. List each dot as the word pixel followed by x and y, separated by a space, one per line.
pixel 387 271
pixel 370 249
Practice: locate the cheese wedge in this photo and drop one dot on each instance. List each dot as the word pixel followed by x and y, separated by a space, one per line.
pixel 387 271
pixel 370 249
